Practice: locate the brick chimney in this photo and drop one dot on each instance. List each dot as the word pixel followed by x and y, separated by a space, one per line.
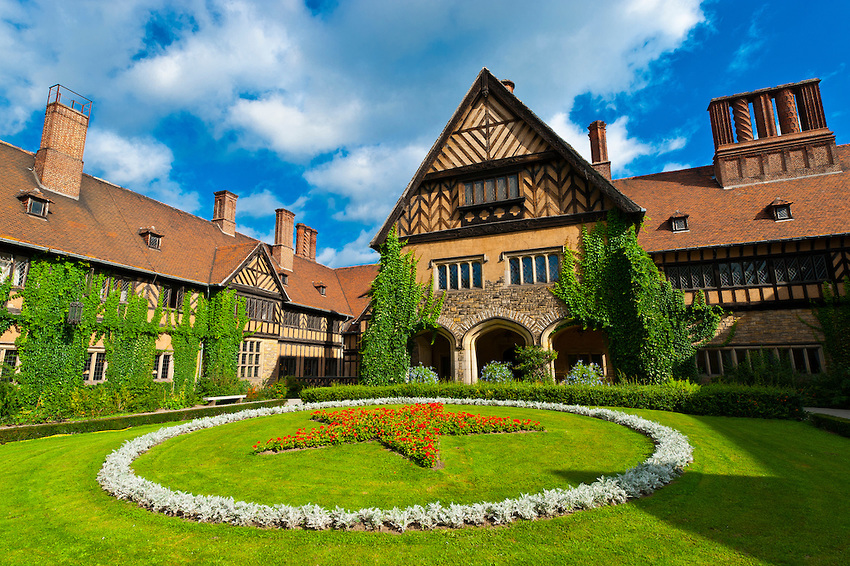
pixel 283 250
pixel 59 160
pixel 224 212
pixel 599 148
pixel 509 84
pixel 305 242
pixel 801 146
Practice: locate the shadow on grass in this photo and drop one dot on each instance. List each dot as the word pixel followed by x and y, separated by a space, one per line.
pixel 776 495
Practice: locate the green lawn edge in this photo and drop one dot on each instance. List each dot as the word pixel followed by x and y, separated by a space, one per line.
pixel 30 432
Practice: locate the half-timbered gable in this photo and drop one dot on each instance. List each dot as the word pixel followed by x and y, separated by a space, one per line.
pixel 498 168
pixel 254 277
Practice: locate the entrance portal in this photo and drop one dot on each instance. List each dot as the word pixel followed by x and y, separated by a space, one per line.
pixel 497 345
pixel 575 345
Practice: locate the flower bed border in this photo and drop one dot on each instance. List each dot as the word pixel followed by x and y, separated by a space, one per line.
pixel 672 453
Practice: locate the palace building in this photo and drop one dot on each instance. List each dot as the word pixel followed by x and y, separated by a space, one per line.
pixel 488 213
pixel 500 194
pixel 299 311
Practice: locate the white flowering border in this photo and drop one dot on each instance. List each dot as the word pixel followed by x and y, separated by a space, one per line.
pixel 672 454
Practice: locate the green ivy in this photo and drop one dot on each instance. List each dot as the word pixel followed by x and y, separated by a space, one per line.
pixel 398 313
pixel 186 338
pixel 833 388
pixel 613 285
pixel 223 336
pixel 51 351
pixel 7 319
pixel 129 339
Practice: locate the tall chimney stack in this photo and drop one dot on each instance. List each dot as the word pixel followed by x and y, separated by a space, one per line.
pixel 283 250
pixel 305 242
pixel 599 148
pixel 224 212
pixel 59 160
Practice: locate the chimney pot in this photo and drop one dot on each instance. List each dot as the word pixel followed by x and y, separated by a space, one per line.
pixel 509 84
pixel 599 148
pixel 224 212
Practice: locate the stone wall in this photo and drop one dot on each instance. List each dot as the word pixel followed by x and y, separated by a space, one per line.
pixel 532 306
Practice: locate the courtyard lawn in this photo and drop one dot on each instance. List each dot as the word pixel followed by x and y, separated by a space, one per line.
pixel 758 492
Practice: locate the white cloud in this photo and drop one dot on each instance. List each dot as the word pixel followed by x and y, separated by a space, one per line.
pixel 141 164
pixel 264 202
pixel 127 161
pixel 673 166
pixel 357 252
pixel 371 179
pixel 296 132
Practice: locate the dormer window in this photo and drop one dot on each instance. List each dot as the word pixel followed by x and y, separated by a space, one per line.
pixel 36 203
pixel 781 210
pixel 321 288
pixel 152 237
pixel 679 222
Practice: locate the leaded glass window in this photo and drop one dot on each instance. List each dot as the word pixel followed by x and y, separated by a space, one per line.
pixel 554 268
pixel 514 266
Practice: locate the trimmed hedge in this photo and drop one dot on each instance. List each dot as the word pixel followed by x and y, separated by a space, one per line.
pixel 712 400
pixel 831 423
pixel 29 432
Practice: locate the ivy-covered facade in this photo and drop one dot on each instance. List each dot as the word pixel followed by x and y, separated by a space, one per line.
pixel 501 204
pixel 138 290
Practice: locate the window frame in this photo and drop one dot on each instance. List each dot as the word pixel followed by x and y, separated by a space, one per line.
pixel 522 268
pixel 163 360
pixel 451 272
pixel 477 191
pixel 249 358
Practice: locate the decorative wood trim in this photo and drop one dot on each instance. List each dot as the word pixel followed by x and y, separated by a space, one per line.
pixel 506 227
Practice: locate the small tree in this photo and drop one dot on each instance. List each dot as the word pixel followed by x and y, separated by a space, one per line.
pixel 398 313
pixel 533 363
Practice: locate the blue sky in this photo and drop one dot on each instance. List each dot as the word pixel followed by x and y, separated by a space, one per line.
pixel 327 108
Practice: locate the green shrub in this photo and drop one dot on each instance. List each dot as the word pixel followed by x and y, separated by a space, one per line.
pixel 713 400
pixel 9 401
pixel 497 372
pixel 831 423
pixel 219 384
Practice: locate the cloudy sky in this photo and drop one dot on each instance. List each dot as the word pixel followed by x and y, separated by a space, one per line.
pixel 327 108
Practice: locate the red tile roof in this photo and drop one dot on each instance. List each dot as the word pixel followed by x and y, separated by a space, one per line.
pixel 721 217
pixel 103 226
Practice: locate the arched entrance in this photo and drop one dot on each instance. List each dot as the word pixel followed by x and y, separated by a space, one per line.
pixel 494 341
pixel 437 355
pixel 574 344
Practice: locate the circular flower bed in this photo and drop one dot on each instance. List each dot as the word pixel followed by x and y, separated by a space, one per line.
pixel 672 453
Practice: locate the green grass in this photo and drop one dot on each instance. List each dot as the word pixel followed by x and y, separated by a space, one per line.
pixel 759 492
pixel 489 467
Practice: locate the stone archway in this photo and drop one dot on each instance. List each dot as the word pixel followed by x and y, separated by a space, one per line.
pixel 435 351
pixel 575 344
pixel 492 340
